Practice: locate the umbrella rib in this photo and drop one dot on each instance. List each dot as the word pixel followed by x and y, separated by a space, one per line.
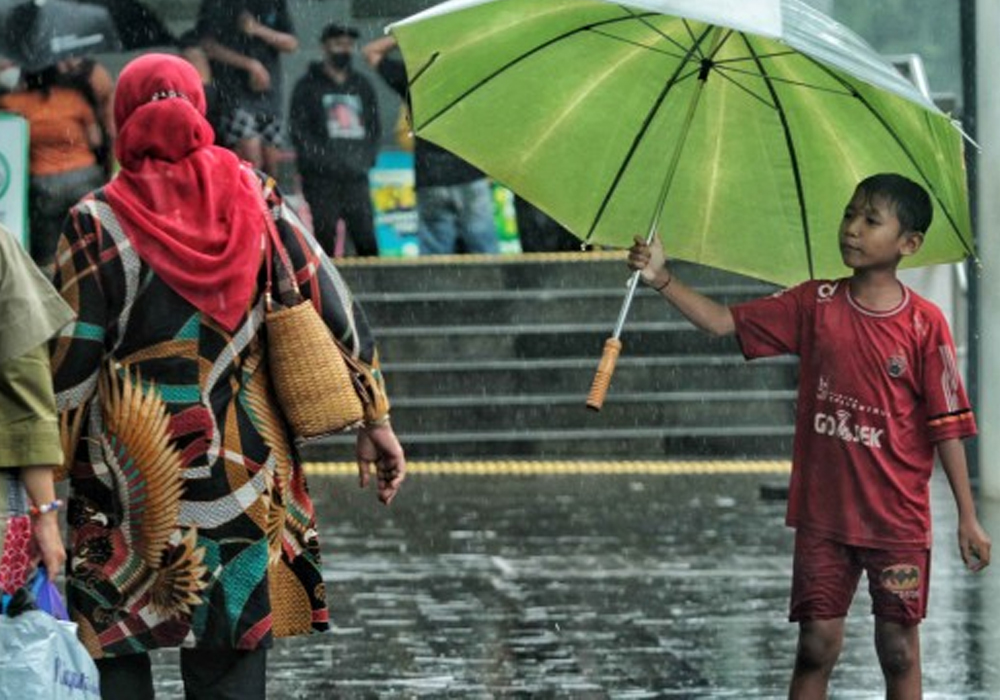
pixel 696 46
pixel 793 156
pixel 640 45
pixel 507 66
pixel 641 18
pixel 743 59
pixel 744 88
pixel 786 81
pixel 674 80
pixel 906 151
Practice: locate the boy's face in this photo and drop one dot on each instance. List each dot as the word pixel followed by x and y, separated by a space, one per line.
pixel 871 236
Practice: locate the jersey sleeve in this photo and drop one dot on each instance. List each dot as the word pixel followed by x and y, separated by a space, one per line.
pixel 949 413
pixel 771 325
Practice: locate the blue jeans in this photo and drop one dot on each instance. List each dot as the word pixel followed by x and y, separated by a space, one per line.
pixel 457 214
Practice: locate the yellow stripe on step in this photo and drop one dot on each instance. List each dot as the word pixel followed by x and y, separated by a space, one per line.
pixel 516 467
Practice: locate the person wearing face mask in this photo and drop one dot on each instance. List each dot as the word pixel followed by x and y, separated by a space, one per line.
pixel 335 128
pixel 10 76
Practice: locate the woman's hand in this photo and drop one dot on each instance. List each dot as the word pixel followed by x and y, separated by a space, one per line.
pixel 48 542
pixel 378 446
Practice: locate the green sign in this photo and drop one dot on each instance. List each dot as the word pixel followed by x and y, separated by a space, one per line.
pixel 14 175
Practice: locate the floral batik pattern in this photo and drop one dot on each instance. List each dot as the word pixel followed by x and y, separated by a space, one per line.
pixel 190 517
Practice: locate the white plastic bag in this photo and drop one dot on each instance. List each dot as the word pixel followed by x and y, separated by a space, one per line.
pixel 41 658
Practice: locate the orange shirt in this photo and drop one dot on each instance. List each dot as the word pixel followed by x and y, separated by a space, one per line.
pixel 58 128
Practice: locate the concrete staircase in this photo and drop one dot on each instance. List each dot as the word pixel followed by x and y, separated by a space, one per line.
pixel 493 357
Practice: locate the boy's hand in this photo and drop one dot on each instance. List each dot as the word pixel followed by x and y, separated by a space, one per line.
pixel 260 79
pixel 974 544
pixel 649 260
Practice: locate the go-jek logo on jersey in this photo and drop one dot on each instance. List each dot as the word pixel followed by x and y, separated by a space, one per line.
pixel 841 426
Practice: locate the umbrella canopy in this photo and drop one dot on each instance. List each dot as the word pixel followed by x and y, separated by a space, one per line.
pixel 39 33
pixel 138 26
pixel 736 130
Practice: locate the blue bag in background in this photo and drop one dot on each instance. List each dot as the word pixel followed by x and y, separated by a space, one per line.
pixel 41 658
pixel 46 594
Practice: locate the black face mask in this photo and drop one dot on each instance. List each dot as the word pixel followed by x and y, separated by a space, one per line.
pixel 340 61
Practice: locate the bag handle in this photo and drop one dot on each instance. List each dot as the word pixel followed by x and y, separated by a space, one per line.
pixel 273 244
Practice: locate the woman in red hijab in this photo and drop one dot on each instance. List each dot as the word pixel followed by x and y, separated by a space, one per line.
pixel 191 524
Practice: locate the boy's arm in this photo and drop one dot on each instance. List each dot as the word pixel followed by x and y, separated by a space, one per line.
pixel 279 41
pixel 973 541
pixel 705 313
pixel 260 79
pixel 374 51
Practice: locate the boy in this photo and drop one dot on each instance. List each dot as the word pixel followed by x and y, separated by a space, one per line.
pixel 336 130
pixel 879 390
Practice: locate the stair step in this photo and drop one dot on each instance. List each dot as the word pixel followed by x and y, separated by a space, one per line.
pixel 393 310
pixel 758 442
pixel 638 410
pixel 593 270
pixel 538 341
pixel 565 375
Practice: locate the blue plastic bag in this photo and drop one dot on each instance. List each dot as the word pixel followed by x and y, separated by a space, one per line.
pixel 46 594
pixel 41 658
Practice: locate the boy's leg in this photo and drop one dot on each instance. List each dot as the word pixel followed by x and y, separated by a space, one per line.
pixel 272 144
pixel 436 226
pixel 820 642
pixel 898 648
pixel 825 575
pixel 324 205
pixel 359 217
pixel 240 135
pixel 898 582
pixel 475 213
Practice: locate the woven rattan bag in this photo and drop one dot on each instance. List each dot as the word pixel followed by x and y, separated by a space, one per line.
pixel 316 381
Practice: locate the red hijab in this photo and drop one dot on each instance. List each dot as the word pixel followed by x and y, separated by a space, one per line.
pixel 191 211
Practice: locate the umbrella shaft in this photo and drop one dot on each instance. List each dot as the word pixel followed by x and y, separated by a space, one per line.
pixel 661 200
pixel 626 305
pixel 675 159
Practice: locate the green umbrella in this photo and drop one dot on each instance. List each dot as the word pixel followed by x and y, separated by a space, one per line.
pixel 734 129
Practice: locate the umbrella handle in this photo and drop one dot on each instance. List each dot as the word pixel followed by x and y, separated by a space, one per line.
pixel 602 377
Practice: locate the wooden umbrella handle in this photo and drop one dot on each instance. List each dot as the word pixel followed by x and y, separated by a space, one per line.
pixel 602 377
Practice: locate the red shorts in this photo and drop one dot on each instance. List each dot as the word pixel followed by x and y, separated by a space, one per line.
pixel 825 576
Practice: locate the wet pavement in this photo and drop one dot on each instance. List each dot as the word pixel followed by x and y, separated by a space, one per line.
pixel 594 586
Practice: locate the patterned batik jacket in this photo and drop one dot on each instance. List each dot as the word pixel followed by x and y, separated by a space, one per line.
pixel 190 520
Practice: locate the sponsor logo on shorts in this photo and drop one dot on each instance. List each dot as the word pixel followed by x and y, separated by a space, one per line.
pixel 902 580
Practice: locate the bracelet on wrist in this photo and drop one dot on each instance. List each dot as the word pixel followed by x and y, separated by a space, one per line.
pixel 34 511
pixel 381 420
pixel 670 278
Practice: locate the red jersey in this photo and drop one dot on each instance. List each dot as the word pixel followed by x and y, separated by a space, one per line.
pixel 877 390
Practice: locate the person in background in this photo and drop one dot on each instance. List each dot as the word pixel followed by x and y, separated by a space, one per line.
pixel 10 76
pixel 190 519
pixel 880 396
pixel 454 199
pixel 92 80
pixel 540 233
pixel 65 136
pixel 335 128
pixel 31 313
pixel 244 40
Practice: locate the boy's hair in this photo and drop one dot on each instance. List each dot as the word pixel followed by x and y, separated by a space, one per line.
pixel 911 201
